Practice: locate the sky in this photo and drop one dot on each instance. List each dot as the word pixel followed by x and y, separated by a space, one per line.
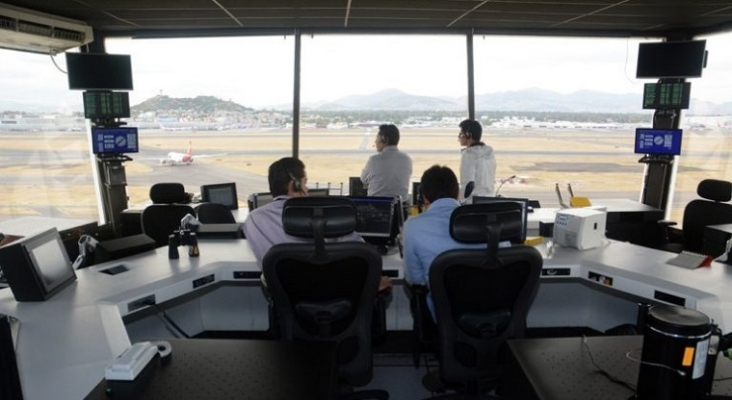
pixel 257 71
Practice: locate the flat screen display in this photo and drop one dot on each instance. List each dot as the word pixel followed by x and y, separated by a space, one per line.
pixel 49 259
pixel 374 216
pixel 514 229
pixel 117 140
pixel 98 71
pixel 105 104
pixel 666 95
pixel 658 141
pixel 355 187
pixel 222 193
pixel 671 59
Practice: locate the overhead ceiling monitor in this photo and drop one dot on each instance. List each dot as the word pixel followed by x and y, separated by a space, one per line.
pixel 684 59
pixel 99 71
pixel 37 32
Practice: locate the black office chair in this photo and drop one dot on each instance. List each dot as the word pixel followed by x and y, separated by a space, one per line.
pixel 163 217
pixel 326 291
pixel 214 213
pixel 424 329
pixel 712 209
pixel 481 298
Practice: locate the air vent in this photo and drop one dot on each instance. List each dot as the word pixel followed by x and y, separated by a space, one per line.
pixel 29 30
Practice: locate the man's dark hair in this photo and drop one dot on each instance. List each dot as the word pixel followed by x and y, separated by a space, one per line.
pixel 439 182
pixel 281 172
pixel 472 128
pixel 390 132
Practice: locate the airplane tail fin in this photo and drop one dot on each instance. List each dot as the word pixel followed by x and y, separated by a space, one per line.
pixel 190 148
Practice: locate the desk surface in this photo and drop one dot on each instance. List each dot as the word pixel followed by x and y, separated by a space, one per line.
pixel 562 369
pixel 65 343
pixel 227 369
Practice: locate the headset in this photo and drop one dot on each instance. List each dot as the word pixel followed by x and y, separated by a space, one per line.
pixel 296 184
pixel 383 139
pixel 468 134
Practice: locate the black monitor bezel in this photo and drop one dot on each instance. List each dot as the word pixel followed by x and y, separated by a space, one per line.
pixel 99 71
pixel 230 186
pixel 675 59
pixel 34 242
pixel 392 201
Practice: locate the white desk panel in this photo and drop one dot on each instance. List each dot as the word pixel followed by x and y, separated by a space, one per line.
pixel 65 342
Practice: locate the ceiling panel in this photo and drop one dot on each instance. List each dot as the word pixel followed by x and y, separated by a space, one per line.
pixel 601 17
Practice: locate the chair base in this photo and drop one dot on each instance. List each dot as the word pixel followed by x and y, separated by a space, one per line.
pixel 374 394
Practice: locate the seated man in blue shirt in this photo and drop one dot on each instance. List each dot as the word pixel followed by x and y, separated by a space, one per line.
pixel 263 227
pixel 428 234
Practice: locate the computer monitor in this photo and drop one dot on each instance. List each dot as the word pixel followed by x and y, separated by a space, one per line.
pixel 105 104
pixel 9 377
pixel 513 219
pixel 374 216
pixel 416 194
pixel 99 71
pixel 318 192
pixel 222 193
pixel 355 187
pixel 681 59
pixel 114 140
pixel 674 95
pixel 257 200
pixel 37 267
pixel 658 141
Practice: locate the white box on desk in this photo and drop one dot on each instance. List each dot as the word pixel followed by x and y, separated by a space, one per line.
pixel 581 228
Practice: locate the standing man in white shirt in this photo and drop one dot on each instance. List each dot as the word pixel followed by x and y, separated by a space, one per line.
pixel 388 172
pixel 477 162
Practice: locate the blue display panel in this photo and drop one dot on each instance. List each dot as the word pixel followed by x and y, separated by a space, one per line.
pixel 114 140
pixel 658 141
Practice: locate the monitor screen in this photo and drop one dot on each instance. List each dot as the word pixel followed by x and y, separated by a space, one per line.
pixel 114 140
pixel 666 95
pixel 684 59
pixel 98 71
pixel 416 194
pixel 516 235
pixel 257 200
pixel 658 141
pixel 319 192
pixel 106 104
pixel 355 187
pixel 49 259
pixel 374 216
pixel 222 193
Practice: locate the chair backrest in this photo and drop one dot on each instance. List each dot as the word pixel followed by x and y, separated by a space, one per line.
pixel 214 213
pixel 163 217
pixel 713 208
pixel 481 298
pixel 325 291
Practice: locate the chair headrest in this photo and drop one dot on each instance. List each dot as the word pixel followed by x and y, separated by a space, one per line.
pixel 168 193
pixel 715 190
pixel 468 222
pixel 300 213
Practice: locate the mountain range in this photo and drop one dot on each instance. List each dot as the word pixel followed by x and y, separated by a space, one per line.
pixel 533 100
pixel 516 100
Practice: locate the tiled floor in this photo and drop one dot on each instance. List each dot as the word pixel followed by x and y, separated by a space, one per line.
pixel 396 374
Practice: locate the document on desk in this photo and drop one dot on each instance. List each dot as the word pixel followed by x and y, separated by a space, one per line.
pixel 691 260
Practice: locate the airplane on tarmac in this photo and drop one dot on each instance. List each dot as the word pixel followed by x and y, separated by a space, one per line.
pixel 175 158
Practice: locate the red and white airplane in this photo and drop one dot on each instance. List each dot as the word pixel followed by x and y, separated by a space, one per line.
pixel 175 158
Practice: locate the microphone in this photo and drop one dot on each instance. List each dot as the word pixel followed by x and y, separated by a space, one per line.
pixel 502 182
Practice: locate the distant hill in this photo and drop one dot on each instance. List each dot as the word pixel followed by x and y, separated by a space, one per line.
pixel 208 105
